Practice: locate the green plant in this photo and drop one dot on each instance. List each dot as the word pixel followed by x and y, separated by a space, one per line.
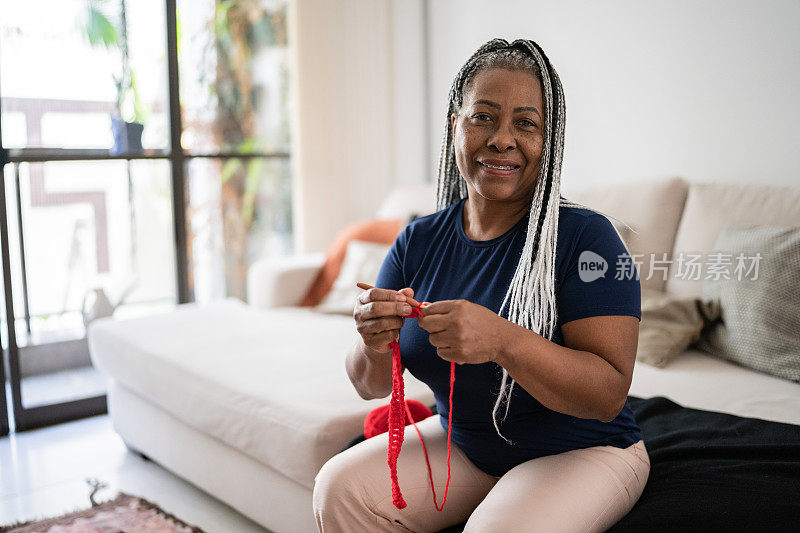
pixel 101 28
pixel 241 28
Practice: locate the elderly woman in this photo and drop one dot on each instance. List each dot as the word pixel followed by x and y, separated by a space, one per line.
pixel 522 286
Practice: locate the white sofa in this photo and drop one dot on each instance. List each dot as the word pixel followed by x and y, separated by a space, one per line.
pixel 248 400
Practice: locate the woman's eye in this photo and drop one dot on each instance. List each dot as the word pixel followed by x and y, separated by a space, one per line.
pixel 527 123
pixel 482 116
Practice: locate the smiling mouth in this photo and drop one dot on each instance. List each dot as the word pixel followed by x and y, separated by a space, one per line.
pixel 499 167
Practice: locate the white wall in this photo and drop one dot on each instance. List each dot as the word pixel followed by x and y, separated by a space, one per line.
pixel 358 117
pixel 707 90
pixel 342 144
pixel 704 89
pixel 409 84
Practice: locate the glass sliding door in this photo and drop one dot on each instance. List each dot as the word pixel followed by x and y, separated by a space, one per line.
pixel 138 173
pixel 85 132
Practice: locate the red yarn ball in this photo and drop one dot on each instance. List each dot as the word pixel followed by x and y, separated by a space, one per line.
pixel 377 420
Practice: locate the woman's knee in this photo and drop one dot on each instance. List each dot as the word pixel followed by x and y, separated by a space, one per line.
pixel 487 526
pixel 339 494
pixel 333 483
pixel 496 519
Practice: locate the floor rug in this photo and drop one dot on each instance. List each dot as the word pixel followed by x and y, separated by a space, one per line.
pixel 124 513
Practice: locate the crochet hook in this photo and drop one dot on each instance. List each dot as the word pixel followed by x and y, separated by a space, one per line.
pixel 410 300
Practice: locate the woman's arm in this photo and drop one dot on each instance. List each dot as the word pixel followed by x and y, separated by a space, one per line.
pixel 588 378
pixel 369 371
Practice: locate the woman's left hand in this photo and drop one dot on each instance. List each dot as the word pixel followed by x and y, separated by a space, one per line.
pixel 462 331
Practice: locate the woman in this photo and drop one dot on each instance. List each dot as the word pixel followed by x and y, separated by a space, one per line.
pixel 522 287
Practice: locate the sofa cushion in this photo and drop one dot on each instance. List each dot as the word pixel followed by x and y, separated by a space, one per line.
pixel 652 209
pixel 710 207
pixel 377 231
pixel 362 264
pixel 671 324
pixel 271 383
pixel 701 381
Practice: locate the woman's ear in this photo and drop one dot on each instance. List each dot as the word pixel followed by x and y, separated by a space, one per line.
pixel 453 124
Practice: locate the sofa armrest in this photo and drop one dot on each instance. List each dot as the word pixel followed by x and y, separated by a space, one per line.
pixel 281 281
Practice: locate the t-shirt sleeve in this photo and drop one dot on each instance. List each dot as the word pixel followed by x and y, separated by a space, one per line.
pixel 600 278
pixel 391 274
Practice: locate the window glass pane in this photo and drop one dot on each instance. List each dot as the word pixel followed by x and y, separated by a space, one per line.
pixel 60 91
pixel 91 224
pixel 234 81
pixel 239 211
pixel 98 241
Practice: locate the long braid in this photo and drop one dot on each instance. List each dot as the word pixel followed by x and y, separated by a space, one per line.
pixel 531 295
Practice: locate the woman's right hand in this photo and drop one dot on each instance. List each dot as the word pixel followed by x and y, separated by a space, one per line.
pixel 379 315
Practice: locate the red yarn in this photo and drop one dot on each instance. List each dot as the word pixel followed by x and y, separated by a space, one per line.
pixel 397 427
pixel 377 420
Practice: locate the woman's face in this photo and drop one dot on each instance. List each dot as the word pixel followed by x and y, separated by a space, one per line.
pixel 499 133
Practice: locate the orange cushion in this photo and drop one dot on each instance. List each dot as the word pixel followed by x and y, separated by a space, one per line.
pixel 380 231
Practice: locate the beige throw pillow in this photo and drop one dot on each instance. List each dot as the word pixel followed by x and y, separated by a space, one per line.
pixel 671 324
pixel 362 263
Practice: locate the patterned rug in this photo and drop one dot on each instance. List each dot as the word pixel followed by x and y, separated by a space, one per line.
pixel 124 513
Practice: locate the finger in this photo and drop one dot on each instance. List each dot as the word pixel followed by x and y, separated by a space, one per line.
pixel 434 323
pixel 441 340
pixel 440 307
pixel 378 325
pixel 408 291
pixel 382 339
pixel 380 295
pixel 448 354
pixel 372 310
pixel 378 302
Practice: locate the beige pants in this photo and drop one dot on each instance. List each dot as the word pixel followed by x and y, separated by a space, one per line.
pixel 582 490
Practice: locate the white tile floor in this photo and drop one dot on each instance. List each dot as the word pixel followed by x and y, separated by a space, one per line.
pixel 63 386
pixel 43 473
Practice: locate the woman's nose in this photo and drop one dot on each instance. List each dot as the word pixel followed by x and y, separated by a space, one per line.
pixel 502 138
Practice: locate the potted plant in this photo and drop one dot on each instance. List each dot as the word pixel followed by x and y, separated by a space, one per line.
pixel 103 29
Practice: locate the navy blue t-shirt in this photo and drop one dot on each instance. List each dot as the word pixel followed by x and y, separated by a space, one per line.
pixel 435 257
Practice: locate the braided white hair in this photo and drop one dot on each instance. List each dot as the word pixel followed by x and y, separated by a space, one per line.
pixel 531 295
